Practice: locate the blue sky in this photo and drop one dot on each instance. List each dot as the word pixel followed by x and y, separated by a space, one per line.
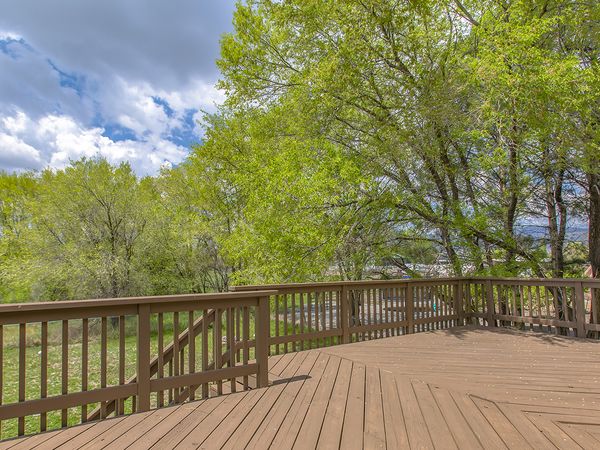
pixel 123 79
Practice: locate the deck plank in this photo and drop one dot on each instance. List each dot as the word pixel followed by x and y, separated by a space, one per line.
pixel 352 431
pixel 465 388
pixel 264 434
pixel 334 416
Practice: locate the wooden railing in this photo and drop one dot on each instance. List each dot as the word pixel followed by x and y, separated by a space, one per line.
pixel 312 315
pixel 69 362
pixel 61 359
pixel 560 306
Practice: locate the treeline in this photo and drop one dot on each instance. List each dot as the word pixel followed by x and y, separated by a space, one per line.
pixel 355 135
pixel 97 230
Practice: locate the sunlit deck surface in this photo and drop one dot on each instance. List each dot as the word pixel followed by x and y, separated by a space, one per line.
pixel 459 388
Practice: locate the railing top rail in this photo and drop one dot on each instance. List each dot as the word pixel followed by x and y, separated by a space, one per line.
pixel 534 280
pixel 244 288
pixel 125 301
pixel 406 281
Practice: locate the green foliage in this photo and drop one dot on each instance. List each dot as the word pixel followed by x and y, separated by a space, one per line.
pixel 355 135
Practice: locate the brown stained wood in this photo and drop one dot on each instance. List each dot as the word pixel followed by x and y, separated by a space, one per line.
pixel 374 433
pixel 439 431
pixel 264 434
pixel 124 434
pixel 161 364
pixel 205 348
pixel 457 424
pixel 246 338
pixel 192 352
pixel 302 321
pixel 352 431
pixel 288 430
pixel 43 372
pixel 120 409
pixel 309 431
pixel 180 429
pixel 84 364
pixel 22 373
pixel 507 432
pixel 80 439
pixel 522 370
pixel 416 427
pixel 241 426
pixel 395 425
pixel 203 428
pixel 103 361
pixel 175 417
pixel 391 392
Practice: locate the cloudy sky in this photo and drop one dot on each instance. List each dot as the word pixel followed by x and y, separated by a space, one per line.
pixel 125 79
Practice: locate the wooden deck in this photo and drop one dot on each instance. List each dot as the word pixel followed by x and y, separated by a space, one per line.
pixel 459 388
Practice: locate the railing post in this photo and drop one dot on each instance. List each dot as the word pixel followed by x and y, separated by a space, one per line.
pixel 143 359
pixel 580 310
pixel 410 309
pixel 458 303
pixel 344 319
pixel 262 330
pixel 489 292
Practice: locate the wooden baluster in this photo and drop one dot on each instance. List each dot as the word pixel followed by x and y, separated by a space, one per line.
pixel 238 332
pixel 231 344
pixel 143 360
pixel 397 304
pixel 103 362
pixel 309 318
pixel 161 357
pixel 246 339
pixel 369 312
pixel 22 373
pixel 176 355
pixel 285 321
pixel 556 308
pixel 490 309
pixel 65 368
pixel 120 404
pixel 294 330
pixel 44 373
pixel 389 330
pixel 343 313
pixel 262 325
pixel 331 326
pixel 277 322
pixel 324 315
pixel 302 322
pixel 204 350
pixel 323 296
pixel 317 312
pixel 191 352
pixel 379 307
pixel 409 309
pixel 218 345
pixel 84 363
pixel 579 304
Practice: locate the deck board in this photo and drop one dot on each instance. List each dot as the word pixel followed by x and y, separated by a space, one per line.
pixel 459 388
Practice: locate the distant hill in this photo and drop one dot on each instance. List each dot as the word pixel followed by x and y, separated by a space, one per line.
pixel 575 233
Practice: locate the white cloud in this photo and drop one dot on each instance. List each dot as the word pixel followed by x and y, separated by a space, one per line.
pixel 73 72
pixel 17 155
pixel 54 140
